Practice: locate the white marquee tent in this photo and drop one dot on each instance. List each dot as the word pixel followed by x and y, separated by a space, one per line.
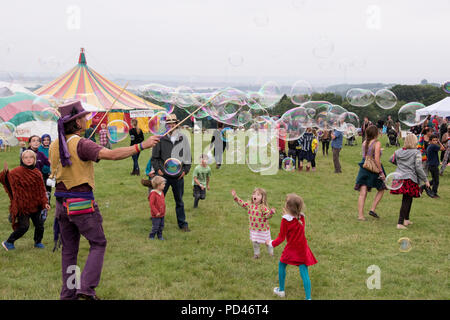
pixel 440 108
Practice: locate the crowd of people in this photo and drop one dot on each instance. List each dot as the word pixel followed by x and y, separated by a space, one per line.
pixel 68 161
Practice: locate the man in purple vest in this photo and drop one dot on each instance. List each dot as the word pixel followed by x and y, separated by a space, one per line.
pixel 72 159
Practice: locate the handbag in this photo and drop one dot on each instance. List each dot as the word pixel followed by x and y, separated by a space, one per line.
pixel 369 164
pixel 77 206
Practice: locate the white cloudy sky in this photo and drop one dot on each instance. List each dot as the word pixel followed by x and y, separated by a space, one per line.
pixel 321 41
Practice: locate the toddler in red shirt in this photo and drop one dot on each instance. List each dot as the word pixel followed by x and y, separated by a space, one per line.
pixel 297 251
pixel 157 207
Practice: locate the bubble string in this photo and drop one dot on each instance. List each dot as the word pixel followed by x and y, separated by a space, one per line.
pixel 189 115
pixel 110 108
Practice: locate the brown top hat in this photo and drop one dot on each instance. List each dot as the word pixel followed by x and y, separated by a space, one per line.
pixel 72 110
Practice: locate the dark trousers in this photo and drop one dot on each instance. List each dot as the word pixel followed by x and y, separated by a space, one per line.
pixel 157 227
pixel 135 162
pixel 325 146
pixel 24 225
pixel 313 162
pixel 198 194
pixel 434 170
pixel 405 209
pixel 337 164
pixel 292 153
pixel 178 191
pixel 72 227
pixel 282 155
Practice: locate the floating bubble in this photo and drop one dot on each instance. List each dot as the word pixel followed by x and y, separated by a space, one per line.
pixel 270 94
pixel 349 118
pixel 405 244
pixel 393 181
pixel 172 166
pixel 446 87
pixel 235 59
pixel 261 157
pixel 244 117
pixel 288 164
pixel 158 123
pixel 45 108
pixel 169 107
pixel 293 121
pixel 301 92
pixel 261 19
pixel 7 129
pixel 350 131
pixel 323 49
pixel 185 97
pixel 158 92
pixel 385 99
pixel 235 156
pixel 117 130
pixel 360 97
pixel 407 113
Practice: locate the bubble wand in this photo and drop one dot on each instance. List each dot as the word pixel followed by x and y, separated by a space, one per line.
pixel 189 115
pixel 117 98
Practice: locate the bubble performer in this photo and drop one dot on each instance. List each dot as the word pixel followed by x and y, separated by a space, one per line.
pixel 72 165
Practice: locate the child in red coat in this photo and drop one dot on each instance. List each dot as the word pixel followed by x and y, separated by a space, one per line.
pixel 157 207
pixel 296 252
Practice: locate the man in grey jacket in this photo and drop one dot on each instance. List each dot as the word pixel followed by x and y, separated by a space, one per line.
pixel 174 145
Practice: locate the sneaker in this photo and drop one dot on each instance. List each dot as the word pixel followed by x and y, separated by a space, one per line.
pixel 151 238
pixel 161 238
pixel 279 293
pixel 8 245
pixel 186 229
pixel 429 192
pixel 436 196
pixel 39 245
pixel 374 214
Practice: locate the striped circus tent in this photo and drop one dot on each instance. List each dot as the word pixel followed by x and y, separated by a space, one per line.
pixel 95 91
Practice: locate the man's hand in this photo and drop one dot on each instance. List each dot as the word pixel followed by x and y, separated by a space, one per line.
pixel 150 142
pixel 47 206
pixel 207 187
pixel 428 184
pixel 5 166
pixel 182 175
pixel 202 187
pixel 160 172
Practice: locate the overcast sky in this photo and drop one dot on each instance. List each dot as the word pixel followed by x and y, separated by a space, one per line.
pixel 321 41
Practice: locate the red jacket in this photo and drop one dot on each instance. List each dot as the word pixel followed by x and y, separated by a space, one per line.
pixel 296 251
pixel 157 204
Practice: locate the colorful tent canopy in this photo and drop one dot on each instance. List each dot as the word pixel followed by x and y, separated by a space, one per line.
pixel 17 106
pixel 85 84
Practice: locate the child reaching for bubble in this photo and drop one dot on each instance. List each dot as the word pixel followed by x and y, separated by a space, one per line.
pixel 297 251
pixel 258 214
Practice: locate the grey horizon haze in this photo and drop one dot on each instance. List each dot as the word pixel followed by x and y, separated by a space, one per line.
pixel 323 42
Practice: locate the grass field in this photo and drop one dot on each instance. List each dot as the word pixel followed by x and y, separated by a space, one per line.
pixel 214 260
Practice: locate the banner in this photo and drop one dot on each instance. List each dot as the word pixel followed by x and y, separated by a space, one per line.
pixel 141 113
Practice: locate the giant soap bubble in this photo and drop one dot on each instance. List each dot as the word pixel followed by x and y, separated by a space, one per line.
pixel 407 113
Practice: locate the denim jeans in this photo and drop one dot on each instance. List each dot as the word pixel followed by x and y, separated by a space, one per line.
pixel 135 161
pixel 177 190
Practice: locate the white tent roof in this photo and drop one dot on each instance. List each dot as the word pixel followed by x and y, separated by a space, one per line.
pixel 440 108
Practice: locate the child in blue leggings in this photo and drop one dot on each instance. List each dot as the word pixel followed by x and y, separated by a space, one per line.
pixel 297 251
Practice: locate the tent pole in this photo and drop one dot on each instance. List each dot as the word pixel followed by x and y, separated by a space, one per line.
pixel 117 98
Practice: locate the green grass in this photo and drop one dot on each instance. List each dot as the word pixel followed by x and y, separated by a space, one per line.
pixel 214 261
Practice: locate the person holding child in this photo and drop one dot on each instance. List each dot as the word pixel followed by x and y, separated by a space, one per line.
pixel 258 214
pixel 25 188
pixel 200 180
pixel 157 207
pixel 296 252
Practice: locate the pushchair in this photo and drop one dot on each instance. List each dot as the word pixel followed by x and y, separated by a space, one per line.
pixel 393 139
